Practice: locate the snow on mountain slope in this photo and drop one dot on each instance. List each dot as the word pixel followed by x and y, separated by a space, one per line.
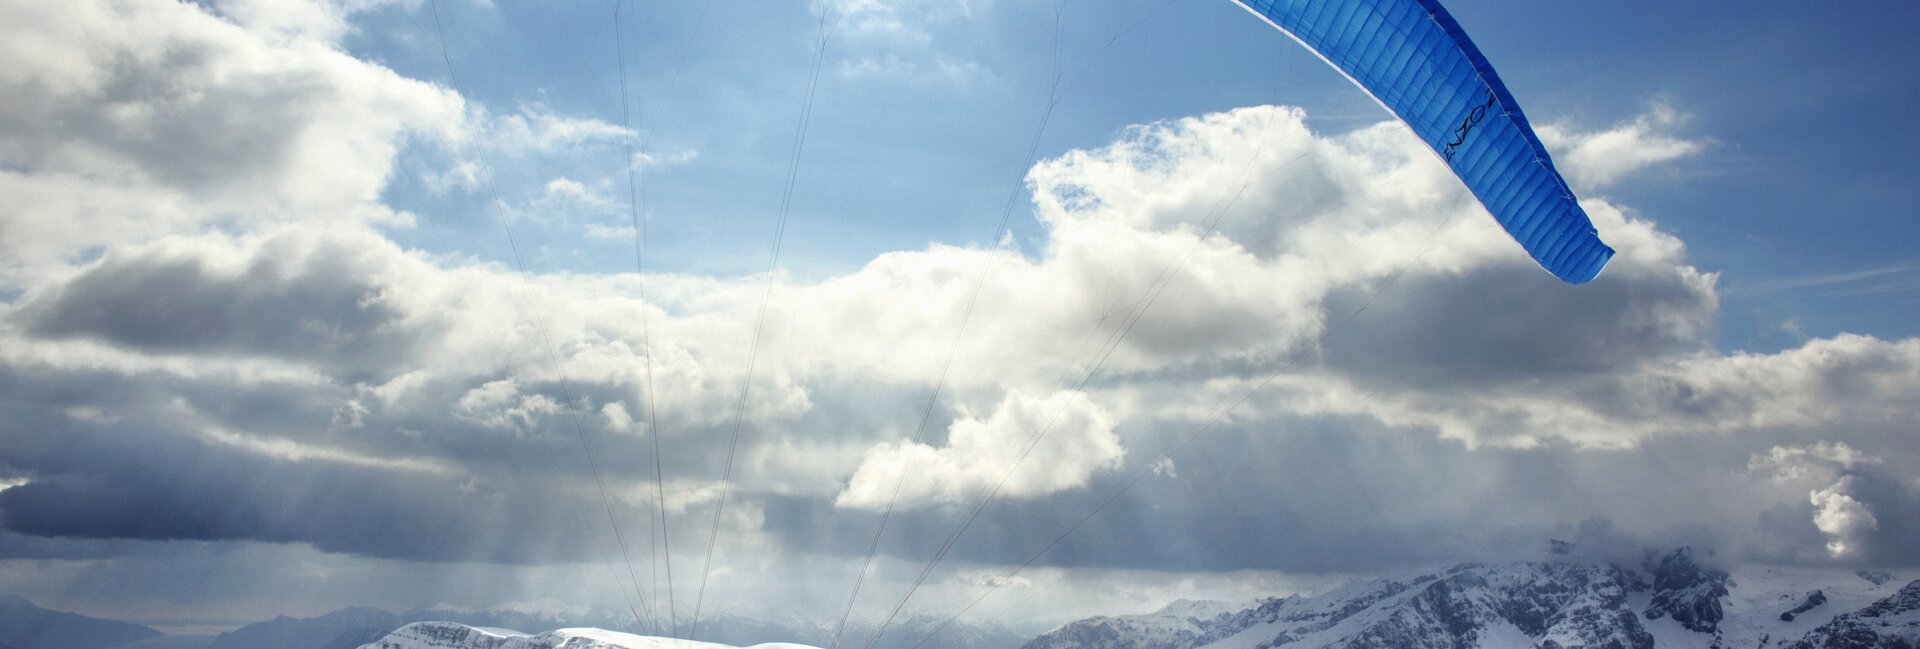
pixel 352 627
pixel 1759 595
pixel 450 635
pixel 1891 623
pixel 1673 601
pixel 1176 625
pixel 1204 609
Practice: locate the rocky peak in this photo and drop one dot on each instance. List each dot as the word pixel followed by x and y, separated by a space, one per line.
pixel 1876 577
pixel 1688 592
pixel 1905 601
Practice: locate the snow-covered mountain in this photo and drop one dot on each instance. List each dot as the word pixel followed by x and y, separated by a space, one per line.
pixel 1890 622
pixel 353 627
pixel 452 635
pixel 1672 602
pixel 1180 624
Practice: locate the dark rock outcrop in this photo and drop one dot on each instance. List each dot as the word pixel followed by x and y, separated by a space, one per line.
pixel 1688 592
pixel 1812 600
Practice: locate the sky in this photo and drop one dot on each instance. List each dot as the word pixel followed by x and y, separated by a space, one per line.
pixel 315 303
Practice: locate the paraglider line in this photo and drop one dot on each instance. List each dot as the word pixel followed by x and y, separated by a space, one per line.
pixel 773 261
pixel 646 329
pixel 1061 86
pixel 553 357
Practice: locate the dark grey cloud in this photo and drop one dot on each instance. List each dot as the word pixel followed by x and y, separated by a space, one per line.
pixel 110 454
pixel 138 480
pixel 1893 498
pixel 1492 327
pixel 320 306
pixel 162 458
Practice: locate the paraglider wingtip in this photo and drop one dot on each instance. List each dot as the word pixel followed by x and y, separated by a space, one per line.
pixel 1585 272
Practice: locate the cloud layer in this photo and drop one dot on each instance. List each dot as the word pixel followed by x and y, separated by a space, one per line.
pixel 212 336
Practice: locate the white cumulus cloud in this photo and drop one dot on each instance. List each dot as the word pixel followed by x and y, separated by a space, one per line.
pixel 1029 446
pixel 1596 159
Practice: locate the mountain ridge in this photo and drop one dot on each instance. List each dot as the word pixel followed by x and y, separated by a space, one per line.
pixel 25 625
pixel 352 627
pixel 453 635
pixel 1674 600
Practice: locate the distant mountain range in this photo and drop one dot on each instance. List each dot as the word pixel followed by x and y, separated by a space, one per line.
pixel 1671 602
pixel 1675 600
pixel 353 627
pixel 452 635
pixel 26 626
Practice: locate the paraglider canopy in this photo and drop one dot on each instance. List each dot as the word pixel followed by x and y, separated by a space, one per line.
pixel 1413 58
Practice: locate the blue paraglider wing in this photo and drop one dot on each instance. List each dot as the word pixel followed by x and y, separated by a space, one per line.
pixel 1413 58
